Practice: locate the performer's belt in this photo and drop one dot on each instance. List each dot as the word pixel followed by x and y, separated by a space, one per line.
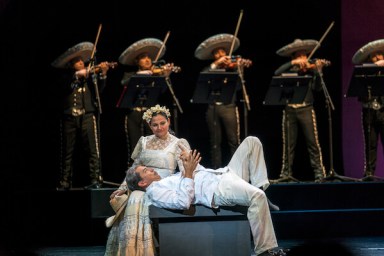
pixel 298 105
pixel 78 111
pixel 140 109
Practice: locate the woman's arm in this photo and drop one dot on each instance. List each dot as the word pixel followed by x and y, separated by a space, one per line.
pixel 136 152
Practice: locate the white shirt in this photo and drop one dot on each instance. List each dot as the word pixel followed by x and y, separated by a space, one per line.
pixel 177 192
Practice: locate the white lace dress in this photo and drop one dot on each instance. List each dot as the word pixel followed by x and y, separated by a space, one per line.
pixel 132 233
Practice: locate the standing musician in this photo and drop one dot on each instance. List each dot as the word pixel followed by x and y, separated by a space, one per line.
pixel 222 117
pixel 372 108
pixel 80 111
pixel 142 55
pixel 303 114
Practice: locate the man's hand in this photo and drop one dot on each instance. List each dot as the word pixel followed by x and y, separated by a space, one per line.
pixel 190 161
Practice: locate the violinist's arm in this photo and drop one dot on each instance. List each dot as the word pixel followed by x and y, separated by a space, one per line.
pixel 81 73
pixel 126 77
pixel 221 62
pixel 283 68
pixel 301 63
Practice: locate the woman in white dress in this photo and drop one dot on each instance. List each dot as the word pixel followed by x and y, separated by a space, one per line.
pixel 131 232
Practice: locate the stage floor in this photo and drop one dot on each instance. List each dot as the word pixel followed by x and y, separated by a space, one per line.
pixel 72 223
pixel 359 246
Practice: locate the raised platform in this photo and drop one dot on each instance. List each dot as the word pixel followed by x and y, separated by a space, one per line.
pixel 334 209
pixel 223 231
pixel 308 210
pixel 312 210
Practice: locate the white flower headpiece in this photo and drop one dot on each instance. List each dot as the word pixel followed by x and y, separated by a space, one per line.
pixel 147 116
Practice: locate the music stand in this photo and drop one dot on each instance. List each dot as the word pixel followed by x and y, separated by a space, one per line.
pixel 366 82
pixel 216 86
pixel 213 87
pixel 141 91
pixel 283 90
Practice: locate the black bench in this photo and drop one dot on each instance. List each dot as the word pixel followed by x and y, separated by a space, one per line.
pixel 202 231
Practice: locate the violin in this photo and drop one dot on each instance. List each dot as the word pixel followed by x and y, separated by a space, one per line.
pixel 94 69
pixel 97 68
pixel 236 61
pixel 314 65
pixel 162 70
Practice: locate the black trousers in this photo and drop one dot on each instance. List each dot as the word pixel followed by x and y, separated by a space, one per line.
pixel 80 129
pixel 373 127
pixel 305 119
pixel 222 118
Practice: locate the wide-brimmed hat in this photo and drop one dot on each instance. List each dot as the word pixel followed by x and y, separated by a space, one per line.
pixel 151 46
pixel 363 53
pixel 306 45
pixel 83 50
pixel 205 49
pixel 118 204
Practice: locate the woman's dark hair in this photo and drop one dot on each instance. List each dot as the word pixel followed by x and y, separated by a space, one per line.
pixel 166 117
pixel 160 113
pixel 133 178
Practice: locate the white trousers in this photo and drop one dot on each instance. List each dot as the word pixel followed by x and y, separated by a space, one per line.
pixel 240 186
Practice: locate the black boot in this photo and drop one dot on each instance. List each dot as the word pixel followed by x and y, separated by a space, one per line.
pixel 65 182
pixel 370 176
pixel 95 184
pixel 284 177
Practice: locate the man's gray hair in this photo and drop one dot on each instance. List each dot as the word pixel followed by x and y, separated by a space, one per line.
pixel 132 178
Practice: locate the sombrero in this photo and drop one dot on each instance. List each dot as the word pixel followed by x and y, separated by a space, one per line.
pixel 306 45
pixel 363 53
pixel 205 49
pixel 151 46
pixel 83 50
pixel 118 204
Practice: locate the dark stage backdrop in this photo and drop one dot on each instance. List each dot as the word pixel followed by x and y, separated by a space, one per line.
pixel 34 34
pixel 361 23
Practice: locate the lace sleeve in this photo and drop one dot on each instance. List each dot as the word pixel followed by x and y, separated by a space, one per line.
pixel 138 149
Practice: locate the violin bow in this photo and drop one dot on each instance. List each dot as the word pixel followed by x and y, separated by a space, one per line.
pixel 94 48
pixel 236 32
pixel 92 63
pixel 162 46
pixel 321 40
pixel 245 95
pixel 167 80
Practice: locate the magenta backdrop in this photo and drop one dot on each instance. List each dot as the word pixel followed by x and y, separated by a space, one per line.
pixel 362 22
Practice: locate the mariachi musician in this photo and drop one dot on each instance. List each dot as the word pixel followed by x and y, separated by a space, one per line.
pixel 302 114
pixel 144 55
pixel 372 111
pixel 80 86
pixel 220 117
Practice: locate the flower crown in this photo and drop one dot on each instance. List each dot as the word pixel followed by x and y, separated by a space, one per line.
pixel 147 116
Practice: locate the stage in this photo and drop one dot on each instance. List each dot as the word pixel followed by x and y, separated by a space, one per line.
pixel 49 220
